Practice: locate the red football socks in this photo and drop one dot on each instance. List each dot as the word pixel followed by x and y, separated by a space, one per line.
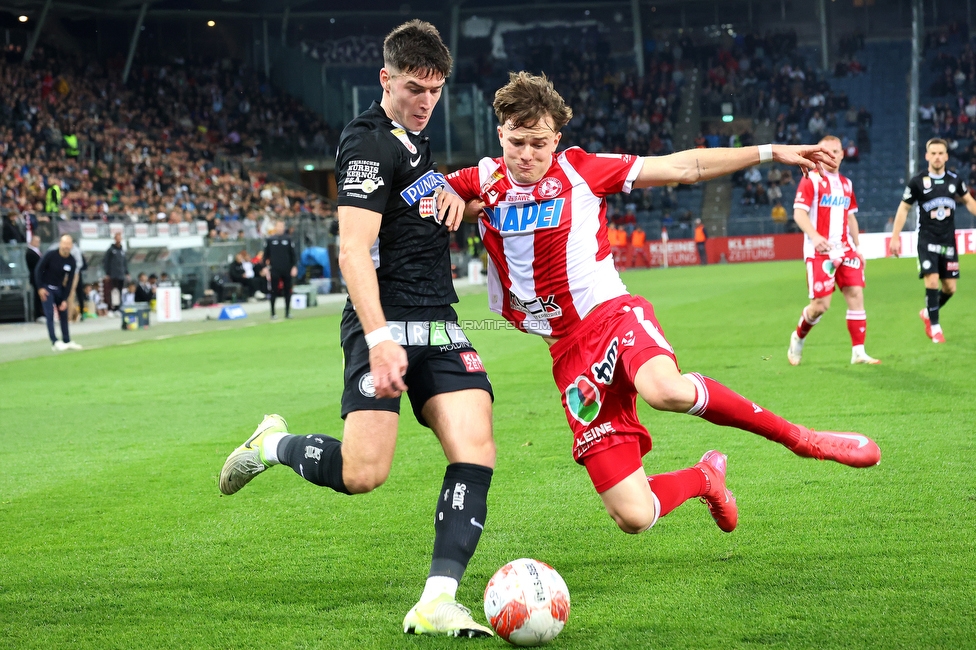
pixel 724 407
pixel 804 326
pixel 857 325
pixel 674 488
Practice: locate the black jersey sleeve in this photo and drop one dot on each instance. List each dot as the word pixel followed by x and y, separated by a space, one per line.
pixel 366 165
pixel 961 188
pixel 911 194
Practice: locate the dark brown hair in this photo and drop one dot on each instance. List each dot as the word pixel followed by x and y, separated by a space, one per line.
pixel 416 48
pixel 528 98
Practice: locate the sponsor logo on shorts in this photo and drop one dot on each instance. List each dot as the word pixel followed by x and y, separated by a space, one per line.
pixel 366 386
pixel 818 286
pixel 952 266
pixel 828 267
pixel 592 436
pixel 852 262
pixel 926 264
pixel 583 400
pixel 472 362
pixel 603 369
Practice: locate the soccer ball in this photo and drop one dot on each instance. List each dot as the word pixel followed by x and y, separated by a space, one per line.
pixel 527 602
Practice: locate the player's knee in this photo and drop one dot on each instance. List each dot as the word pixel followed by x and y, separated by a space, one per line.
pixel 672 393
pixel 360 480
pixel 633 521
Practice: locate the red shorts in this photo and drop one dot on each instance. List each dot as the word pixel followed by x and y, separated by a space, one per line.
pixel 823 276
pixel 600 403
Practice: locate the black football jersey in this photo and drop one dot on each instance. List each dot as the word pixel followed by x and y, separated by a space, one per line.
pixel 934 198
pixel 384 168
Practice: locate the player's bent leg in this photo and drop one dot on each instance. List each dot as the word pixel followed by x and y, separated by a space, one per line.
pixel 661 385
pixel 368 444
pixel 632 504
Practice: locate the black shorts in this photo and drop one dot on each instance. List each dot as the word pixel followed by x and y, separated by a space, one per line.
pixel 938 257
pixel 440 359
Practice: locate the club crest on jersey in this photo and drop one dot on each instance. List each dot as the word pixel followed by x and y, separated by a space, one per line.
pixel 952 188
pixel 510 218
pixel 927 182
pixel 583 400
pixel 428 206
pixel 835 201
pixel 549 187
pixel 401 135
pixel 423 186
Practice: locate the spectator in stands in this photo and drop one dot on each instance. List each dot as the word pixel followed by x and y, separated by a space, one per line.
pixel 116 269
pixel 12 232
pixel 778 213
pixel 850 116
pixel 851 152
pixel 864 117
pixel 749 195
pixel 926 112
pixel 144 291
pixel 816 126
pixel 863 139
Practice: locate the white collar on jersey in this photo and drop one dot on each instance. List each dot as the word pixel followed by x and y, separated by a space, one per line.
pixel 400 126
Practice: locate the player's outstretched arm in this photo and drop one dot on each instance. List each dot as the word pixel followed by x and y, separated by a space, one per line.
pixel 358 229
pixel 695 165
pixel 969 202
pixel 894 246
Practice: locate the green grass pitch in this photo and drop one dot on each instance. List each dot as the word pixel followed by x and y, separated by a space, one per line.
pixel 113 533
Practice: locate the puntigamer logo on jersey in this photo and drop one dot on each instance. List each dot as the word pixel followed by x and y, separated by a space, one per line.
pixel 526 217
pixel 423 186
pixel 835 201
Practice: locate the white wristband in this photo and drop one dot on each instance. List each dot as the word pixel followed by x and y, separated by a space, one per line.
pixel 377 336
pixel 765 153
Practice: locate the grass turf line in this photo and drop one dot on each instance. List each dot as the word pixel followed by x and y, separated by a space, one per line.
pixel 115 536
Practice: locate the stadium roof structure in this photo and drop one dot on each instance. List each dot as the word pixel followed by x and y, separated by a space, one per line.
pixel 295 8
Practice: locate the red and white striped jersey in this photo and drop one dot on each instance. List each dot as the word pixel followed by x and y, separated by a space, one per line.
pixel 549 255
pixel 833 198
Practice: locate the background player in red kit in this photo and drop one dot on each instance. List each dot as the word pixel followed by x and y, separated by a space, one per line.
pixel 825 209
pixel 543 223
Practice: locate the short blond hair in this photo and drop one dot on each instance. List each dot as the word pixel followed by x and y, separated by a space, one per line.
pixel 936 141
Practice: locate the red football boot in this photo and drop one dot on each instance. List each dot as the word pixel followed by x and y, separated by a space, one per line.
pixel 850 449
pixel 719 499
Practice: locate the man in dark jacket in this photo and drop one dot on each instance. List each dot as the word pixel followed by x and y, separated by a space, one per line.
pixel 33 256
pixel 117 270
pixel 280 256
pixel 55 275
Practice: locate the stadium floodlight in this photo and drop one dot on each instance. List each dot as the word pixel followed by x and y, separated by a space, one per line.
pixel 210 23
pixel 310 168
pixel 22 19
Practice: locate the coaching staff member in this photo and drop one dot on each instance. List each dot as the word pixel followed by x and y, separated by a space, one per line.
pixel 54 276
pixel 281 260
pixel 116 269
pixel 399 331
pixel 935 193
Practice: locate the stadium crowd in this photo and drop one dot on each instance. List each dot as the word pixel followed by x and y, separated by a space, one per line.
pixel 76 142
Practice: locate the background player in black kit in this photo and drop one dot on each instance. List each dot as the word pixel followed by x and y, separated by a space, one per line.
pixel 935 193
pixel 281 260
pixel 399 331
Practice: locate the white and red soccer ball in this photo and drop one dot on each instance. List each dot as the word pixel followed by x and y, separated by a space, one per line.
pixel 527 602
